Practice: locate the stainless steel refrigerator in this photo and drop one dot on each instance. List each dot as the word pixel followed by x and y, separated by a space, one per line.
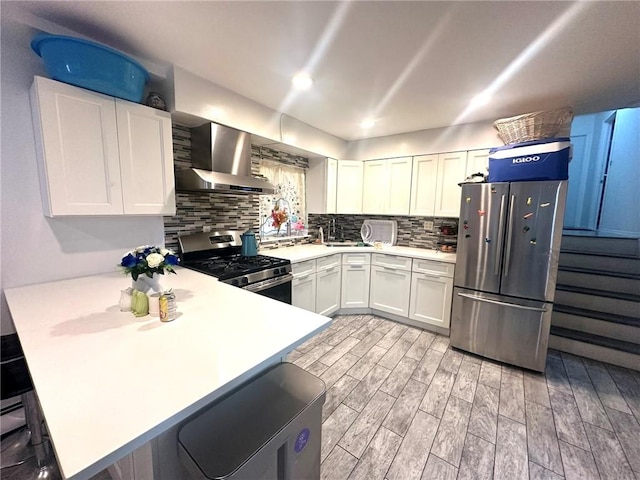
pixel 507 261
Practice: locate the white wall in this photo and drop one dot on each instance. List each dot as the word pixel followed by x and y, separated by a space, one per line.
pixel 620 212
pixel 34 248
pixel 472 136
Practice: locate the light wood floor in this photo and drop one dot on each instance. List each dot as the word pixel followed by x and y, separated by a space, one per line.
pixel 401 405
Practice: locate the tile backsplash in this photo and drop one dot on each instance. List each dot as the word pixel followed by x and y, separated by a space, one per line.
pixel 240 212
pixel 411 230
pixel 217 210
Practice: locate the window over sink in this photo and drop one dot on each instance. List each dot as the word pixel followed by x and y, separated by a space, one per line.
pixel 284 213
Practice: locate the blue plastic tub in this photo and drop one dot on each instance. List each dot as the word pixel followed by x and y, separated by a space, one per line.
pixel 91 65
pixel 546 159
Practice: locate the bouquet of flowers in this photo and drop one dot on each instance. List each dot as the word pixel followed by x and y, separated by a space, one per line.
pixel 147 260
pixel 279 216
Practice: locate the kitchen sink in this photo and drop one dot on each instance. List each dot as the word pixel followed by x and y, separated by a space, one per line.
pixel 346 244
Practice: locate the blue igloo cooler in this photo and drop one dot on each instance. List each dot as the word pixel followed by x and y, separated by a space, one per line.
pixel 529 161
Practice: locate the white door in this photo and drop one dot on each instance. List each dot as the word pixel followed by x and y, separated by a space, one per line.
pixel 451 171
pixel 349 196
pixel 423 185
pixel 77 137
pixel 390 290
pixel 477 162
pixel 375 190
pixel 146 159
pixel 303 292
pixel 355 286
pixel 431 299
pixel 328 283
pixel 398 185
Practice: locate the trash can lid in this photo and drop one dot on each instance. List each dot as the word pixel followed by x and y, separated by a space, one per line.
pixel 224 436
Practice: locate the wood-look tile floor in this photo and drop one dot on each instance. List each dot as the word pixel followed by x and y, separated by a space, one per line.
pixel 402 404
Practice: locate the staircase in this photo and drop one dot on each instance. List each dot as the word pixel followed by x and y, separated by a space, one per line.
pixel 597 304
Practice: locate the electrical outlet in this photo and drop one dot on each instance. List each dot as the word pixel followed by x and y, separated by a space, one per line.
pixel 428 225
pixel 206 228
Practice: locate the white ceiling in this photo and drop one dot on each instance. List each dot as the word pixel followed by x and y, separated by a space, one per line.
pixel 411 65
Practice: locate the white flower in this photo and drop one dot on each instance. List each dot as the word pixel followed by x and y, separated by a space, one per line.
pixel 154 260
pixel 164 252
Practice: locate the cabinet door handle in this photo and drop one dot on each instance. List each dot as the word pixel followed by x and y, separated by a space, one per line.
pixel 511 305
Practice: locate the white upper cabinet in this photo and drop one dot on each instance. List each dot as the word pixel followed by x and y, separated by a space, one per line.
pixel 451 171
pixel 423 185
pixel 399 185
pixel 99 155
pixel 350 179
pixel 322 185
pixel 387 186
pixel 477 162
pixel 376 187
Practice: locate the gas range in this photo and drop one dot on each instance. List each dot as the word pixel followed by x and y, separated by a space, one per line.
pixel 218 254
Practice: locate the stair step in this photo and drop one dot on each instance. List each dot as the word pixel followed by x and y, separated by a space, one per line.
pixel 599 281
pixel 601 244
pixel 594 326
pixel 601 316
pixel 598 301
pixel 593 339
pixel 595 352
pixel 600 262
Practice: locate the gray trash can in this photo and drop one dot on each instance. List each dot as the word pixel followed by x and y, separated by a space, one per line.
pixel 268 429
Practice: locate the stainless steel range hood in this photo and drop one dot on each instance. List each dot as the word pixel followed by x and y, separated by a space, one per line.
pixel 221 159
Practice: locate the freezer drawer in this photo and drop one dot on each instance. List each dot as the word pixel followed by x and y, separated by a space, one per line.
pixel 510 330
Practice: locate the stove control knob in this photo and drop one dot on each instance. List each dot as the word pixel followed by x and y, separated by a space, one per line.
pixel 244 280
pixel 235 282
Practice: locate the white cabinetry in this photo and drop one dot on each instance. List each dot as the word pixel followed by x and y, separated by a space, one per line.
pixel 477 162
pixel 321 185
pixel 431 292
pixel 303 285
pixel 99 155
pixel 423 185
pixel 451 171
pixel 387 186
pixel 375 188
pixel 349 193
pixel 356 269
pixel 328 284
pixel 390 284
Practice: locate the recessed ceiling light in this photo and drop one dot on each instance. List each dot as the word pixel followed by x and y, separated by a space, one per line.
pixel 302 81
pixel 367 123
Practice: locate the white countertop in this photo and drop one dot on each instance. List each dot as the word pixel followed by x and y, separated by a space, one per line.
pixel 109 382
pixel 300 253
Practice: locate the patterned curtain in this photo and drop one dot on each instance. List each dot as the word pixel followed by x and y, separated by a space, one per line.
pixel 283 213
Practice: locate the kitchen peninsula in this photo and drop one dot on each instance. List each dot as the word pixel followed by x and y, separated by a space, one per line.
pixel 109 383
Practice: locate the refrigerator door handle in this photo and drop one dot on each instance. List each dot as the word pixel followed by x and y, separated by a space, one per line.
pixel 507 258
pixel 512 305
pixel 500 237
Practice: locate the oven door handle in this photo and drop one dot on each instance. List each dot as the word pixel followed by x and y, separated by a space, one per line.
pixel 263 285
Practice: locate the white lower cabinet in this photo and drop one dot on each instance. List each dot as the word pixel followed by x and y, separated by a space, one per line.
pixel 303 292
pixel 303 285
pixel 390 284
pixel 328 284
pixel 431 299
pixel 356 270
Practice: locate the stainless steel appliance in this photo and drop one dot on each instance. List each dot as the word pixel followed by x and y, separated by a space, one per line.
pixel 219 254
pixel 507 261
pixel 221 159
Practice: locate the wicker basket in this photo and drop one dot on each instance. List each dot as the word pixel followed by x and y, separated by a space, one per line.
pixel 535 126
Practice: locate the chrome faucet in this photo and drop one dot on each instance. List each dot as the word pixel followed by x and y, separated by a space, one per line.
pixel 332 230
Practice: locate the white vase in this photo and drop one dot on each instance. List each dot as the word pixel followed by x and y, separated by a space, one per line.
pixel 148 285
